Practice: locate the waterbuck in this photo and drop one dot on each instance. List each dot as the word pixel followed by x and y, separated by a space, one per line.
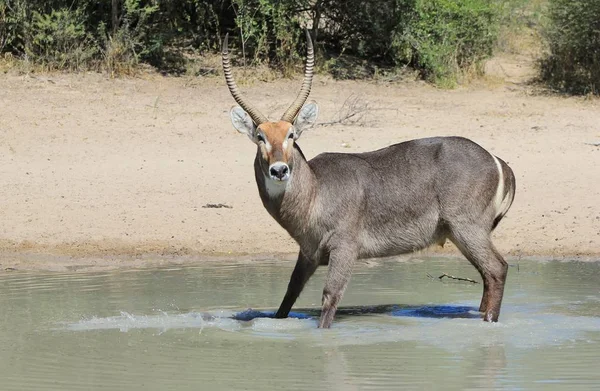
pixel 340 207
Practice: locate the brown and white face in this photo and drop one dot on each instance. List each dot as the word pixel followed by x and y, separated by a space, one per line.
pixel 275 140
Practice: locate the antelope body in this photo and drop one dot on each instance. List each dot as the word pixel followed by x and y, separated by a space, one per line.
pixel 340 207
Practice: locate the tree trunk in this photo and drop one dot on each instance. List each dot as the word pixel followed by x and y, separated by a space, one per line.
pixel 115 16
pixel 316 20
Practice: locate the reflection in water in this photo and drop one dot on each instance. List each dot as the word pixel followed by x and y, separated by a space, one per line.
pixel 338 371
pixel 490 369
pixel 185 328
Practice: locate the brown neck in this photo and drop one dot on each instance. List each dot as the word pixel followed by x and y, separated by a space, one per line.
pixel 290 202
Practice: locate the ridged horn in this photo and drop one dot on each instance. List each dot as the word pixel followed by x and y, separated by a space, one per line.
pixel 256 115
pixel 295 107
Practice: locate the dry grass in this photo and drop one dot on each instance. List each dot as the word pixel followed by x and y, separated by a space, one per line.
pixel 12 65
pixel 520 27
pixel 525 40
pixel 209 65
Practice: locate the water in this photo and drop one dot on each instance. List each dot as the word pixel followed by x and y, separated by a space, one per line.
pixel 190 328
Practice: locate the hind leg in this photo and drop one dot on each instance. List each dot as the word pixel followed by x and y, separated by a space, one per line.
pixel 341 262
pixel 477 247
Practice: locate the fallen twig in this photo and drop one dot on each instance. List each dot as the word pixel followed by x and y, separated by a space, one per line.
pixel 217 206
pixel 458 278
pixel 593 144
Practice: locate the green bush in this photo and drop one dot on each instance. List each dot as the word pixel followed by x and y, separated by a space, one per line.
pixel 446 38
pixel 132 39
pixel 269 31
pixel 59 40
pixel 364 29
pixel 13 19
pixel 441 38
pixel 107 34
pixel 572 34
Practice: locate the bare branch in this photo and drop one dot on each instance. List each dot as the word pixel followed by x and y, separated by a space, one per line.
pixel 457 278
pixel 352 112
pixel 299 10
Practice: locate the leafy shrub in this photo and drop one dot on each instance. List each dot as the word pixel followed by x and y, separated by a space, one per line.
pixel 572 34
pixel 448 37
pixel 364 28
pixel 13 19
pixel 440 38
pixel 269 31
pixel 132 38
pixel 59 40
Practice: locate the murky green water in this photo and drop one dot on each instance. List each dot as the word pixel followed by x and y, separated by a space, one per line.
pixel 172 329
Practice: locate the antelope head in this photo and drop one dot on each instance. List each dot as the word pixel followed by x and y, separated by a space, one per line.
pixel 274 139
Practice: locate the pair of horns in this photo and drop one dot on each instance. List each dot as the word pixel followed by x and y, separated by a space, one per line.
pixel 294 108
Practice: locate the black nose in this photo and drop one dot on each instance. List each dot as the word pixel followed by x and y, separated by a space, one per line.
pixel 279 170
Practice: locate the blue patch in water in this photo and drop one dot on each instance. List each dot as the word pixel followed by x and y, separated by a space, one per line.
pixel 251 314
pixel 438 311
pixel 424 311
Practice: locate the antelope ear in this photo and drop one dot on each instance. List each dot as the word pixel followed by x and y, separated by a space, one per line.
pixel 306 118
pixel 242 122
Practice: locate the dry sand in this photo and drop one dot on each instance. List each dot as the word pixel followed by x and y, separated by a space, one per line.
pixel 99 172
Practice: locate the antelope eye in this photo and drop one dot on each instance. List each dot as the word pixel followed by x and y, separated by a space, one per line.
pixel 291 135
pixel 260 138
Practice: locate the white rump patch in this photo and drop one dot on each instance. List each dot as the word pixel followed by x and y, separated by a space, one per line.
pixel 500 201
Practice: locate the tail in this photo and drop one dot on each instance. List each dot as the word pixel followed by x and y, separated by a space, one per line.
pixel 505 193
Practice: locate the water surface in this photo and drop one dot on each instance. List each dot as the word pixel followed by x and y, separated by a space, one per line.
pixel 207 327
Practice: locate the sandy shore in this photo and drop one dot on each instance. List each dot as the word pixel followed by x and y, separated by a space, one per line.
pixel 113 171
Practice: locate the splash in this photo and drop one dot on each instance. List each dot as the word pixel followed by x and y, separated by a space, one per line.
pixel 451 327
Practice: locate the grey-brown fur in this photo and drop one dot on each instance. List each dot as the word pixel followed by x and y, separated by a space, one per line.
pixel 342 207
pixel 403 198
